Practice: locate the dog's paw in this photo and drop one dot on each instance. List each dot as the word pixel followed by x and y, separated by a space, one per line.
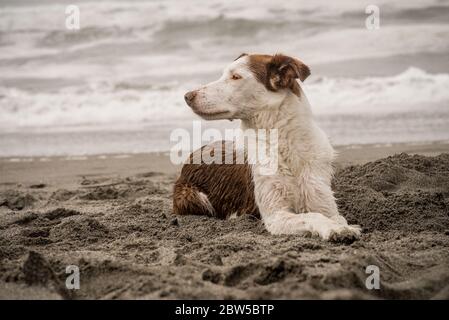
pixel 345 234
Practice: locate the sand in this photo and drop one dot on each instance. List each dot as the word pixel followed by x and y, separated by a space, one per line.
pixel 111 217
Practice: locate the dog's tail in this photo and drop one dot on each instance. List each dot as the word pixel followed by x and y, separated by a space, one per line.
pixel 187 199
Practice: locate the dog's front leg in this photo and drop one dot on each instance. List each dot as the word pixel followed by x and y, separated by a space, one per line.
pixel 272 197
pixel 309 224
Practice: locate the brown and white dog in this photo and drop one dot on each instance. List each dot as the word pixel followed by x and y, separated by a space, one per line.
pixel 263 91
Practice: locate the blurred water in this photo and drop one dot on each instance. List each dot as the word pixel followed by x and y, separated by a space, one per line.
pixel 125 72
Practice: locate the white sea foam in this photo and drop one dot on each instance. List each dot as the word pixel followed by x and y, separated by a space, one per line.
pixel 334 28
pixel 90 108
pixel 412 90
pixel 128 104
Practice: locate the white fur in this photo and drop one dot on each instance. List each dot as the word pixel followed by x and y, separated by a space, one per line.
pixel 206 203
pixel 297 199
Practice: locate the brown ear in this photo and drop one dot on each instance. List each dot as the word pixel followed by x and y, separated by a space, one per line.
pixel 242 55
pixel 282 72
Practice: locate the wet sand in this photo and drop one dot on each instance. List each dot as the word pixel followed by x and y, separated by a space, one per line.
pixel 111 217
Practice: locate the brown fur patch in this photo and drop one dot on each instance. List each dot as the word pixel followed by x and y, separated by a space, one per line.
pixel 228 187
pixel 186 200
pixel 278 71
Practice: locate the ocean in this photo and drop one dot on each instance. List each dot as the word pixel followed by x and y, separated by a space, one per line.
pixel 117 84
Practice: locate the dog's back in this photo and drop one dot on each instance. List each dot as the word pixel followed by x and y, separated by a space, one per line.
pixel 219 190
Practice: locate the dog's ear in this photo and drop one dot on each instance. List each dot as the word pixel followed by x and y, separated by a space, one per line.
pixel 242 55
pixel 283 70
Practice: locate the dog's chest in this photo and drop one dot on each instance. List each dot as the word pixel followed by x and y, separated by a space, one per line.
pixel 284 170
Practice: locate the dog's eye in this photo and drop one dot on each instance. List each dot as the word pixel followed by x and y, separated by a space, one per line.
pixel 236 77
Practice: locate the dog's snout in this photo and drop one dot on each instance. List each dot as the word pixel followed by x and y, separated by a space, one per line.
pixel 189 96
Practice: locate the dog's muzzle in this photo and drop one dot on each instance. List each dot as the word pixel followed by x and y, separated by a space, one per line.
pixel 189 97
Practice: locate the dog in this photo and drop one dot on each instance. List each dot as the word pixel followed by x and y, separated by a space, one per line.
pixel 264 93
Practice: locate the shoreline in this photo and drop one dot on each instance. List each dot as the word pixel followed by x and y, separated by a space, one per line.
pixel 45 169
pixel 419 147
pixel 67 172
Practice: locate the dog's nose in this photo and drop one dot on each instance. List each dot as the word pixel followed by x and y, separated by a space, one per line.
pixel 189 96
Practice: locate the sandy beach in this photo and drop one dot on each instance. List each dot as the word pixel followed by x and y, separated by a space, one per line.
pixel 111 216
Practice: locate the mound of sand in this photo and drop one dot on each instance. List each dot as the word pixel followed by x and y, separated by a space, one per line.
pixel 127 244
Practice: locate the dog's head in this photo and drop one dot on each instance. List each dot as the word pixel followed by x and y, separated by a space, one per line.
pixel 251 83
